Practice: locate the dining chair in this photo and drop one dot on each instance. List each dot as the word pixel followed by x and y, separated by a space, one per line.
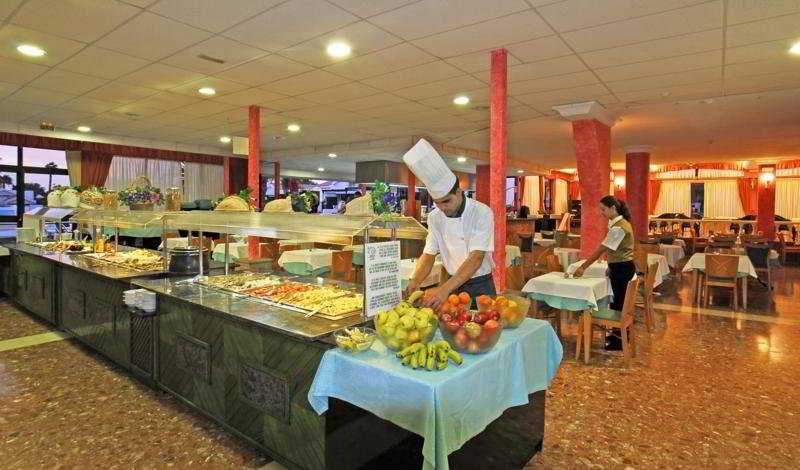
pixel 515 277
pixel 640 260
pixel 561 238
pixel 759 256
pixel 573 242
pixel 525 242
pixel 606 319
pixel 554 264
pixel 788 249
pixel 342 265
pixel 652 248
pixel 644 297
pixel 537 260
pixel 721 271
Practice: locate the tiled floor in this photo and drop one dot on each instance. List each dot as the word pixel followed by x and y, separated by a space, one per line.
pixel 708 389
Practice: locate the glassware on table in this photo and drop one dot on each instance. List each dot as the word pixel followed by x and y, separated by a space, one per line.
pixel 174 199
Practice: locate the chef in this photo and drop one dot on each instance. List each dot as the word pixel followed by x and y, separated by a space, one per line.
pixel 460 229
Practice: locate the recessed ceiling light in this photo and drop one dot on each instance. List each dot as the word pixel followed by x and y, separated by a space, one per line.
pixel 339 49
pixel 320 169
pixel 207 90
pixel 332 155
pixel 84 129
pixel 795 49
pixel 225 139
pixel 31 50
pixel 293 127
pixel 461 100
pixel 461 159
pixel 520 171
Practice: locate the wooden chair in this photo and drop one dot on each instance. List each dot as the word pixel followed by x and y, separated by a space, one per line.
pixel 640 260
pixel 525 241
pixel 342 265
pixel 759 256
pixel 269 250
pixel 282 248
pixel 561 238
pixel 573 242
pixel 645 295
pixel 208 243
pixel 788 249
pixel 721 271
pixel 653 248
pixel 606 318
pixel 515 278
pixel 554 264
pixel 538 260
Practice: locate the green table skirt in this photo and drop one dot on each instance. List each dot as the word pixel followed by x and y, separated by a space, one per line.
pixel 564 303
pixel 304 269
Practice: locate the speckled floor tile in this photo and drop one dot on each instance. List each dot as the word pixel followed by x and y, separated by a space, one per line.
pixel 15 323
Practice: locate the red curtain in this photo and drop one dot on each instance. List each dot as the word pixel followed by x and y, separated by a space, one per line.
pixel 24 140
pixel 748 194
pixel 574 191
pixel 94 168
pixel 655 190
pixel 520 192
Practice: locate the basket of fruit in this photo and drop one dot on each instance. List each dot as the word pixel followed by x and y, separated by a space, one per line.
pixel 405 325
pixel 511 310
pixel 466 330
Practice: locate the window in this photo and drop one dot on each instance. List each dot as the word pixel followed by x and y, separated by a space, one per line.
pixel 698 199
pixel 44 158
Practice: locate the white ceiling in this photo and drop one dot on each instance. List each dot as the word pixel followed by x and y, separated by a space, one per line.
pixel 131 69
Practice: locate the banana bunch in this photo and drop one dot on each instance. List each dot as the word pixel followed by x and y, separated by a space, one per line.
pixel 405 325
pixel 435 355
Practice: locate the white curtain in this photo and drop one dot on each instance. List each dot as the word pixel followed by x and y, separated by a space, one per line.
pixel 531 196
pixel 721 199
pixel 675 196
pixel 124 170
pixel 709 173
pixel 560 198
pixel 787 172
pixel 164 174
pixel 202 181
pixel 787 197
pixel 677 174
pixel 74 167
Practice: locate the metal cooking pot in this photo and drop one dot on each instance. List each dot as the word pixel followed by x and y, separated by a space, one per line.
pixel 184 260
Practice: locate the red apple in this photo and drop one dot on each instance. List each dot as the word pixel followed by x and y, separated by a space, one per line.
pixel 453 326
pixel 446 318
pixel 463 317
pixel 461 339
pixel 495 315
pixel 480 318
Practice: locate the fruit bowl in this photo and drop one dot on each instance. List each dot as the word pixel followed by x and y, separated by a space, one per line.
pixel 512 310
pixel 355 339
pixel 405 325
pixel 472 337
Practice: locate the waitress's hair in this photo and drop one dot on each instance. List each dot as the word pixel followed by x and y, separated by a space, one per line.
pixel 619 205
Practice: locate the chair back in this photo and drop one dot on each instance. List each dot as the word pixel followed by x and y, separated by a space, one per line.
pixel 553 264
pixel 540 254
pixel 717 243
pixel 667 238
pixel 650 278
pixel 561 238
pixel 268 250
pixel 759 255
pixel 525 242
pixel 651 248
pixel 629 305
pixel 207 243
pixel 722 267
pixel 342 264
pixel 573 242
pixel 640 260
pixel 753 239
pixel 282 248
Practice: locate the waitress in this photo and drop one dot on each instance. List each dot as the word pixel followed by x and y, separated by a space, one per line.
pixel 460 229
pixel 618 245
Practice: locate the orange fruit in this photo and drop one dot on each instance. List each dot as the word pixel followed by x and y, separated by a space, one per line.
pixel 500 301
pixel 454 300
pixel 464 297
pixel 445 308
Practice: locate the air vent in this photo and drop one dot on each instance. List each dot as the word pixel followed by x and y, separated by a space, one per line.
pixel 47 126
pixel 211 59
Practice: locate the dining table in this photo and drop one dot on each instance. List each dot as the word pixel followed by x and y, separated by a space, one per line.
pixel 673 253
pixel 566 256
pixel 600 267
pixel 697 264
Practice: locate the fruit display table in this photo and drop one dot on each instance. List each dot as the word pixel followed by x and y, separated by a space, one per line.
pixel 436 404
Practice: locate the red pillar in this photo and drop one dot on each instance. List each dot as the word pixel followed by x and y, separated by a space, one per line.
pixel 226 165
pixel 482 183
pixel 637 177
pixel 277 177
pixel 254 168
pixel 765 221
pixel 593 154
pixel 498 145
pixel 411 202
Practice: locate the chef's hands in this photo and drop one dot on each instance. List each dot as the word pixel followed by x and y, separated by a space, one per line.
pixel 435 297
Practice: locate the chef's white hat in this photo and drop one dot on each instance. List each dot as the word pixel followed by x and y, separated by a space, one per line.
pixel 425 162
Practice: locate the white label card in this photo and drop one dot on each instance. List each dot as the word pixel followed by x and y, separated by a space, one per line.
pixel 382 276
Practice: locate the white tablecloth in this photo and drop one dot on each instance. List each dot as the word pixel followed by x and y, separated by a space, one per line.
pixel 585 290
pixel 178 242
pixel 316 258
pixel 407 267
pixel 235 251
pixel 512 253
pixel 566 256
pixel 297 243
pixel 673 253
pixel 598 268
pixel 740 250
pixel 680 243
pixel 698 261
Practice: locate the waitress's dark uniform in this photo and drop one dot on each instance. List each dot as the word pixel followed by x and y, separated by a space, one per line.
pixel 621 268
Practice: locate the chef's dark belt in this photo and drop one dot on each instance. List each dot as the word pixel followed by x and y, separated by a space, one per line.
pixel 481 285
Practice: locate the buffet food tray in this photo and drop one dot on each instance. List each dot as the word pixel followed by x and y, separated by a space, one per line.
pixel 143 268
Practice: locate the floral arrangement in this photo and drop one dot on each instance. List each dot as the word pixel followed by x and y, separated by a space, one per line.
pixel 306 201
pixel 141 195
pixel 383 200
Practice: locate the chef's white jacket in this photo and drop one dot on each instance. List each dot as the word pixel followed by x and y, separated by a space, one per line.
pixel 454 238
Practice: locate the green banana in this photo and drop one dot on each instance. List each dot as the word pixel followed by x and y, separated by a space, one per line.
pixel 415 296
pixel 410 350
pixel 414 361
pixel 407 360
pixel 455 356
pixel 422 357
pixel 442 364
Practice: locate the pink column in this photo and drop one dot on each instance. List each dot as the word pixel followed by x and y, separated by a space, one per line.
pixel 277 178
pixel 254 169
pixel 637 176
pixel 411 201
pixel 593 154
pixel 482 183
pixel 765 220
pixel 498 145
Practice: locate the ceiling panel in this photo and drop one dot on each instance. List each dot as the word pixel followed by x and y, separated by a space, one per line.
pixel 249 96
pixel 264 70
pixel 657 67
pixel 19 72
pixel 114 63
pixel 674 93
pixel 171 118
pixel 362 37
pixel 62 117
pixel 380 62
pixel 761 67
pixel 478 97
pixel 7 88
pixel 538 49
pixel 741 11
pixel 57 48
pixel 477 61
pixel 137 110
pixel 374 101
pixel 290 23
pixel 487 35
pixel 569 80
pixel 578 14
pixel 7 6
pixel 82 20
pixel 287 104
pixel 212 15
pixel 348 91
pixel 167 101
pixel 761 51
pixel 120 92
pixel 763 83
pixel 435 16
pixel 365 8
pixel 673 23
pixel 152 37
pixel 418 75
pixel 67 82
pixel 160 77
pixel 782 27
pixel 547 99
pixel 544 68
pixel 12 111
pixel 228 51
pixel 40 96
pixel 395 110
pixel 223 87
pixel 666 80
pixel 657 49
pixel 452 86
pixel 305 83
pixel 88 105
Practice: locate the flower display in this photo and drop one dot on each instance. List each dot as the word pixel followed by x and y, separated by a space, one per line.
pixel 141 195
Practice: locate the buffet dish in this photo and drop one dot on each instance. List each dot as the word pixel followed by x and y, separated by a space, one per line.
pixel 241 281
pixel 67 246
pixel 137 260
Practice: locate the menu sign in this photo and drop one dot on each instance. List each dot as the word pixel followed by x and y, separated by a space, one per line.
pixel 382 276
